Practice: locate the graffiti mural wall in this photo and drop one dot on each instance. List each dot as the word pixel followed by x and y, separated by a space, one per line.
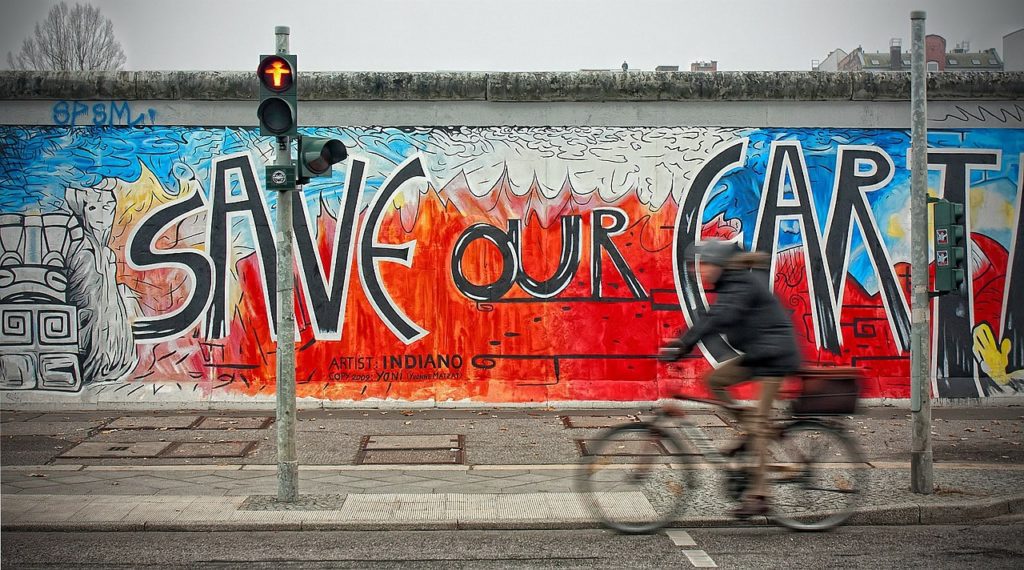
pixel 486 264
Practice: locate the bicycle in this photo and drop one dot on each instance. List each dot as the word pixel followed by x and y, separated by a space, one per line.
pixel 638 475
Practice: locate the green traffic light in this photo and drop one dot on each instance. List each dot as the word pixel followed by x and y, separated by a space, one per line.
pixel 949 245
pixel 317 155
pixel 276 116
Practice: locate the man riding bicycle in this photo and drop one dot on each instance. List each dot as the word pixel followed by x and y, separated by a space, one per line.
pixel 747 313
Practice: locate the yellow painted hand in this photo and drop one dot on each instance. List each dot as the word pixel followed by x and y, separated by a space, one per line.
pixel 993 356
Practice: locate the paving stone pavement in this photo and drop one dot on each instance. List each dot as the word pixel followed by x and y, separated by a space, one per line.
pixel 519 471
pixel 226 496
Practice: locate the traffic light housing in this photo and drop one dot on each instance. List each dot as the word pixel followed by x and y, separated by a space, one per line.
pixel 949 244
pixel 278 110
pixel 317 155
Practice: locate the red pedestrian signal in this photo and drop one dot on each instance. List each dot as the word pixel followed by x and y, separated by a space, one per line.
pixel 276 73
pixel 278 109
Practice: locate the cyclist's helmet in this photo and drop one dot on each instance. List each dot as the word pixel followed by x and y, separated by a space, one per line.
pixel 715 251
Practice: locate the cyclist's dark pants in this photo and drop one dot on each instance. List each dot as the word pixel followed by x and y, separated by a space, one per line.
pixel 757 424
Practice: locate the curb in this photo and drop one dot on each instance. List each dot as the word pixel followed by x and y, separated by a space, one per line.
pixel 900 514
pixel 938 513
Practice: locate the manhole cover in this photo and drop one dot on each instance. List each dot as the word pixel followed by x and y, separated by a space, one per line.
pixel 153 422
pixel 227 423
pixel 409 456
pixel 200 450
pixel 595 421
pixel 92 449
pixel 410 449
pixel 625 447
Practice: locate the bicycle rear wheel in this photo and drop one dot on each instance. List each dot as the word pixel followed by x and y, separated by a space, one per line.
pixel 633 478
pixel 816 474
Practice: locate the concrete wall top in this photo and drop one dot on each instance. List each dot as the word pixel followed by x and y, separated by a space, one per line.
pixel 515 86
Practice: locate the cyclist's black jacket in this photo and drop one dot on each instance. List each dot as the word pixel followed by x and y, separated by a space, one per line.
pixel 753 321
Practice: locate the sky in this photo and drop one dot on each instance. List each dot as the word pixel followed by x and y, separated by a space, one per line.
pixel 518 35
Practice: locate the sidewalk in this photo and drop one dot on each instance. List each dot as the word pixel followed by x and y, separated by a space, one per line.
pixel 505 470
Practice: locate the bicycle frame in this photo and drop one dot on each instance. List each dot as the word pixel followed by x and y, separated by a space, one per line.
pixel 706 446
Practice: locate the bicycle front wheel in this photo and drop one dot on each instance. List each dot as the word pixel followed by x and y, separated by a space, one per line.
pixel 635 477
pixel 816 474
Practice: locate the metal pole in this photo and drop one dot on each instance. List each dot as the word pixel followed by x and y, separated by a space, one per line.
pixel 287 463
pixel 921 480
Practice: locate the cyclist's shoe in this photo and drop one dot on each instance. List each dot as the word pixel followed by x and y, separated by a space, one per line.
pixel 752 506
pixel 737 449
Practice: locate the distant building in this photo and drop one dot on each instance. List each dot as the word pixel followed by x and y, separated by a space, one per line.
pixel 830 63
pixel 937 58
pixel 704 66
pixel 625 68
pixel 1013 51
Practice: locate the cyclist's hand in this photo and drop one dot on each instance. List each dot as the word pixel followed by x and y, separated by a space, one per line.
pixel 672 351
pixel 669 354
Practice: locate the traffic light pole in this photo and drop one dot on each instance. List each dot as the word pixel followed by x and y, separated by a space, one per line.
pixel 287 462
pixel 921 480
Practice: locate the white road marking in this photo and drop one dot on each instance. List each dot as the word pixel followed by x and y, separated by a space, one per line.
pixel 700 559
pixel 680 537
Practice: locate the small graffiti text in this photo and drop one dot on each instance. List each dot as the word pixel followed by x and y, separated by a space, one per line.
pixel 350 363
pixel 101 114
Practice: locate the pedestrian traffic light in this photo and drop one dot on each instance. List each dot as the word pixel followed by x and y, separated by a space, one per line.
pixel 948 241
pixel 317 155
pixel 278 110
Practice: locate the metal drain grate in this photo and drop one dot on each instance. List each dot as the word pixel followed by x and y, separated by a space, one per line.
pixel 410 450
pixel 230 423
pixel 206 450
pixel 596 421
pixel 153 422
pixel 410 457
pixel 622 448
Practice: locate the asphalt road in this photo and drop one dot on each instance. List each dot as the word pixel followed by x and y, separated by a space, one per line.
pixel 991 545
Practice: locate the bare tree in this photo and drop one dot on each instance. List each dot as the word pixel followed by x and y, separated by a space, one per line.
pixel 71 39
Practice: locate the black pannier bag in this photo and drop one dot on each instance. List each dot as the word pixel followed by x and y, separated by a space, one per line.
pixel 828 391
